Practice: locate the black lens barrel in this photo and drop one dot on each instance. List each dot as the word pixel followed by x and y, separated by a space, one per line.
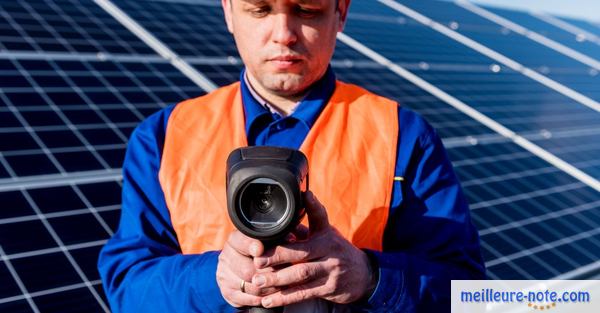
pixel 264 190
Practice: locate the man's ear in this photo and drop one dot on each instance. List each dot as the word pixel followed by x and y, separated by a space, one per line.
pixel 343 6
pixel 226 4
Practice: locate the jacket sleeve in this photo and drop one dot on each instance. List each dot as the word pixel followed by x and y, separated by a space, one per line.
pixel 141 266
pixel 429 238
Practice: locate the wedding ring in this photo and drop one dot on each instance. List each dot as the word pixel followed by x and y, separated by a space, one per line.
pixel 243 286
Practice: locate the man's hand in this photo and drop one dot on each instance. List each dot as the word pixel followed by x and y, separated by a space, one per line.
pixel 325 265
pixel 236 265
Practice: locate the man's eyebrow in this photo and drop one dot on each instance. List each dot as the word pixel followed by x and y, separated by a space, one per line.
pixel 299 1
pixel 309 1
pixel 254 1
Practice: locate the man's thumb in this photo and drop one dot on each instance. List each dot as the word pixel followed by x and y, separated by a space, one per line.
pixel 317 214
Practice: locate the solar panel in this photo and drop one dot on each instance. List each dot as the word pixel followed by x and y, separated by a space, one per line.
pixel 517 102
pixel 500 178
pixel 549 62
pixel 189 29
pixel 380 80
pixel 64 26
pixel 70 116
pixel 50 238
pixel 74 83
pixel 550 31
pixel 524 209
pixel 593 28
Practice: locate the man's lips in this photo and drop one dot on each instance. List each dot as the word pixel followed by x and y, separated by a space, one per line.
pixel 283 62
pixel 289 58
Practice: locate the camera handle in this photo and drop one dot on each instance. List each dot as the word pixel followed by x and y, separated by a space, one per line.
pixel 260 309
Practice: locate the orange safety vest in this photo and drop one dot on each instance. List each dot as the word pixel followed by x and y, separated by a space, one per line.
pixel 351 150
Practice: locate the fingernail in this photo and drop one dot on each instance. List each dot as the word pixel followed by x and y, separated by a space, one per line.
pixel 266 302
pixel 259 280
pixel 254 249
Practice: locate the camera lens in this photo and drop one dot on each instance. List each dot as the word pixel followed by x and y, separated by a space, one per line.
pixel 263 203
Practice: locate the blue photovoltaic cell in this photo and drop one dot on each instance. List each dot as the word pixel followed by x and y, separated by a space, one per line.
pixel 78 300
pixel 64 26
pixel 582 151
pixel 220 74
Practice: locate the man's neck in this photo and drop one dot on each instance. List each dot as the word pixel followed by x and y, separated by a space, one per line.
pixel 283 104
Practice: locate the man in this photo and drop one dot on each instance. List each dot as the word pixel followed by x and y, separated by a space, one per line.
pixel 388 224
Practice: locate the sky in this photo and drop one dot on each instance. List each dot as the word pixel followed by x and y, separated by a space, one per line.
pixel 582 9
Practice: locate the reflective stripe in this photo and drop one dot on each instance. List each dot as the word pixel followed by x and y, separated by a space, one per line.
pixel 351 151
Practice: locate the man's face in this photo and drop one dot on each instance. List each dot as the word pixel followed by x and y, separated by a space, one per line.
pixel 286 45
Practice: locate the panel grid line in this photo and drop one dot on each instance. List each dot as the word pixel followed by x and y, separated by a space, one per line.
pixel 528 195
pixel 495 252
pixel 544 247
pixel 25 294
pixel 93 210
pixel 566 26
pixel 541 242
pixel 541 218
pixel 27 218
pixel 56 180
pixel 66 252
pixel 49 292
pixel 594 105
pixel 93 105
pixel 463 107
pixel 62 117
pixel 39 252
pixel 584 59
pixel 157 45
pixel 19 29
pixel 510 175
pixel 44 24
pixel 32 133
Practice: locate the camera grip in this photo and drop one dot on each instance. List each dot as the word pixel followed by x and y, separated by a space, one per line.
pixel 260 309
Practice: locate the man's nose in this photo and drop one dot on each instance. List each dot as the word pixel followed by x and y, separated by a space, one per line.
pixel 284 30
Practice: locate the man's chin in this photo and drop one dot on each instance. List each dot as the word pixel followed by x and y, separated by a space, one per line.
pixel 287 84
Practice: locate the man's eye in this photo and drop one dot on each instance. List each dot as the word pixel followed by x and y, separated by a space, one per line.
pixel 307 13
pixel 260 11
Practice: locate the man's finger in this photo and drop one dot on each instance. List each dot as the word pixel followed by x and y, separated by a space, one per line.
pixel 288 253
pixel 239 299
pixel 317 215
pixel 301 232
pixel 254 290
pixel 292 275
pixel 310 290
pixel 245 245
pixel 231 289
pixel 240 266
